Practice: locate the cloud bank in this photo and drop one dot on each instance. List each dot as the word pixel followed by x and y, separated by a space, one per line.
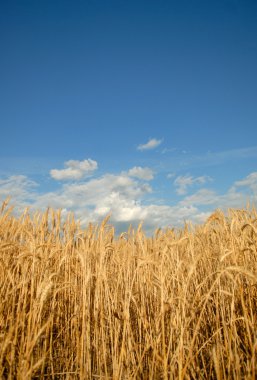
pixel 128 196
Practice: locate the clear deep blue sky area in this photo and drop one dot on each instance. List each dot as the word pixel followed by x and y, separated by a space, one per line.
pixel 145 109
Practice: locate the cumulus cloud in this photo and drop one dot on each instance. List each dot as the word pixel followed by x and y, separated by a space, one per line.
pixel 183 182
pixel 141 173
pixel 75 170
pixel 151 144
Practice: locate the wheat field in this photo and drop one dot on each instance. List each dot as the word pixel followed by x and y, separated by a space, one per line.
pixel 85 304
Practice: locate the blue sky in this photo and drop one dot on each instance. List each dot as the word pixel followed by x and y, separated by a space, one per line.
pixel 146 109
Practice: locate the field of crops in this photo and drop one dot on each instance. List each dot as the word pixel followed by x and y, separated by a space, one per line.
pixel 83 304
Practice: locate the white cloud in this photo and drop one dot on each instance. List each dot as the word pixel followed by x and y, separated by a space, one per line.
pixel 141 173
pixel 151 144
pixel 183 182
pixel 75 170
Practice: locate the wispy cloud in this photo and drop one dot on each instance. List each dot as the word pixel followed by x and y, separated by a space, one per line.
pixel 168 150
pixel 75 170
pixel 20 188
pixel 214 158
pixel 171 175
pixel 151 144
pixel 250 180
pixel 207 159
pixel 183 182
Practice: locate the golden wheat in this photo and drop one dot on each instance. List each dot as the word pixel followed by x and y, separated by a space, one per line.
pixel 84 304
